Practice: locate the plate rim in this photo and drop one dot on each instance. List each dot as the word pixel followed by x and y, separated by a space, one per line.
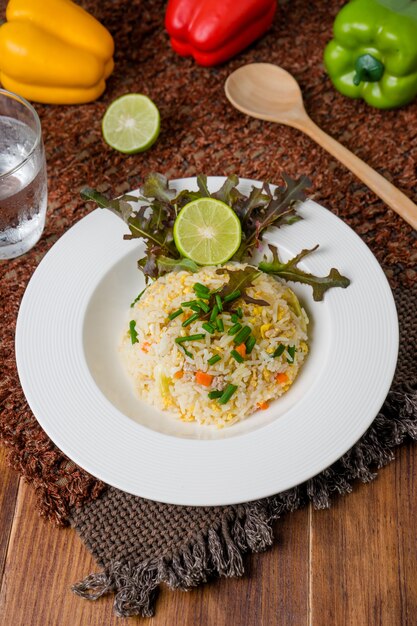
pixel 204 501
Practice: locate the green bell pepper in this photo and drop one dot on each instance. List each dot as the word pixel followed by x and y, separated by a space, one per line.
pixel 374 52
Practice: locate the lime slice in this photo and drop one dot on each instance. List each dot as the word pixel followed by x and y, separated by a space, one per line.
pixel 207 231
pixel 131 123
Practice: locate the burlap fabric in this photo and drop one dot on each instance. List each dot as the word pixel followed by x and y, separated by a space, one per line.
pixel 140 543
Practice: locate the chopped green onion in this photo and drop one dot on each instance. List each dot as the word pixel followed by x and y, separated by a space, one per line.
pixel 215 394
pixel 203 305
pixel 132 332
pixel 227 393
pixel 234 317
pixel 279 350
pixel 250 344
pixel 196 305
pixel 191 319
pixel 232 296
pixel 208 327
pixel 239 312
pixel 202 294
pixel 214 359
pixel 237 357
pixel 291 352
pixel 189 303
pixel 187 352
pixel 219 324
pixel 196 308
pixel 214 313
pixel 242 335
pixel 190 338
pixel 175 314
pixel 200 287
pixel 234 329
pixel 138 297
pixel 219 302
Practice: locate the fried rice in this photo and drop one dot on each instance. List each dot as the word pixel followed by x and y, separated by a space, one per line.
pixel 171 375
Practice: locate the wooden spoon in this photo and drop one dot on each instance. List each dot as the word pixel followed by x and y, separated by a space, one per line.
pixel 268 92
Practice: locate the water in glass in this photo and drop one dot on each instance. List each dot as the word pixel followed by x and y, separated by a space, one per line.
pixel 23 187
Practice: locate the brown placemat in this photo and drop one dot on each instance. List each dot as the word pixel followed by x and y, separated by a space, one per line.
pixel 139 543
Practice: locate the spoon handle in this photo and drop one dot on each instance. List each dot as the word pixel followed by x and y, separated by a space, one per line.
pixel 392 196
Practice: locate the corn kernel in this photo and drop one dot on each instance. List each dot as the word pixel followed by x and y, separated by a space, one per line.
pixel 264 328
pixel 266 375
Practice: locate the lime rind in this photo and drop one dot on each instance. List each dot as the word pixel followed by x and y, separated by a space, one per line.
pixel 207 231
pixel 131 124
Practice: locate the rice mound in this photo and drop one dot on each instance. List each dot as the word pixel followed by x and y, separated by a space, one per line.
pixel 165 376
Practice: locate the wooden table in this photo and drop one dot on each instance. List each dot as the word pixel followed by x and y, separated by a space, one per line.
pixel 352 565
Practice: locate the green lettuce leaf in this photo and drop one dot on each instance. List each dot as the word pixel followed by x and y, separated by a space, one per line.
pixel 290 271
pixel 165 265
pixel 228 192
pixel 260 214
pixel 152 222
pixel 157 186
pixel 151 218
pixel 202 186
pixel 240 279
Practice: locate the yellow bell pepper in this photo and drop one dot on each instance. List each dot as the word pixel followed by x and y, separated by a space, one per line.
pixel 53 51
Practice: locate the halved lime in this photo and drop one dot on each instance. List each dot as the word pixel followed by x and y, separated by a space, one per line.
pixel 131 123
pixel 207 231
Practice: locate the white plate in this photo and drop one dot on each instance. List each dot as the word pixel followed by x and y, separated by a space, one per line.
pixel 68 329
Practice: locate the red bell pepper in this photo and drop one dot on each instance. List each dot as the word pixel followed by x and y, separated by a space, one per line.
pixel 213 31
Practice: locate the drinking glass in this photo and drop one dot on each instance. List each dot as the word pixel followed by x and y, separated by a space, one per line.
pixel 23 182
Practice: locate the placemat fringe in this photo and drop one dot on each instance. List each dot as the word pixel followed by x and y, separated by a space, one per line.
pixel 217 552
pixel 396 421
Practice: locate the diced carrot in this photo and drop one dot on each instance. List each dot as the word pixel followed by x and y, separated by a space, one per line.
pixel 241 348
pixel 281 378
pixel 203 379
pixel 145 346
pixel 179 374
pixel 263 405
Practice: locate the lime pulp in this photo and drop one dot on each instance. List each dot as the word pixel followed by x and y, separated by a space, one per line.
pixel 131 123
pixel 207 231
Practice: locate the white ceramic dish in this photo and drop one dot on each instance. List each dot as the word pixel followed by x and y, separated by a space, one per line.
pixel 69 326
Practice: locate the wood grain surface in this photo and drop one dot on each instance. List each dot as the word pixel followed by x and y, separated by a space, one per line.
pixel 352 565
pixel 9 484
